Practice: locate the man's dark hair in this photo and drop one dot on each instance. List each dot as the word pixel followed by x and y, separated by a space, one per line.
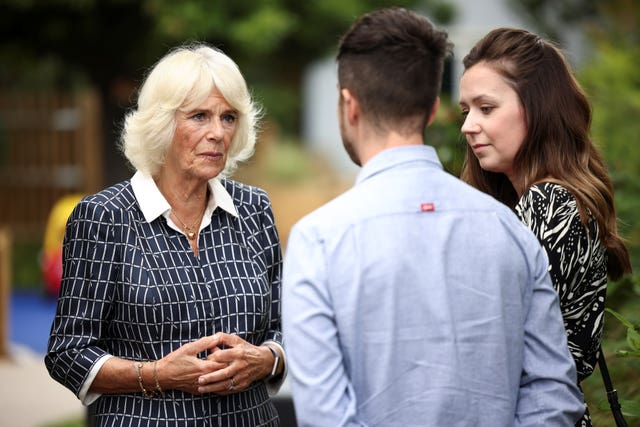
pixel 392 61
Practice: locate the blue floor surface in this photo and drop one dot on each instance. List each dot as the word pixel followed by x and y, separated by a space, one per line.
pixel 30 317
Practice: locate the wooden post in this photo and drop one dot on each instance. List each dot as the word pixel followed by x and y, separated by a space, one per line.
pixel 5 290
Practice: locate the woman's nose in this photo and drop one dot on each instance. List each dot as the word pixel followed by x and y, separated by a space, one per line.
pixel 469 125
pixel 215 129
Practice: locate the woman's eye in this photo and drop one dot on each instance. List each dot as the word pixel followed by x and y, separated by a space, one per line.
pixel 198 116
pixel 486 109
pixel 464 113
pixel 229 118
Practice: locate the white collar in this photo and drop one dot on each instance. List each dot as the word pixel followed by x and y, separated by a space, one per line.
pixel 153 203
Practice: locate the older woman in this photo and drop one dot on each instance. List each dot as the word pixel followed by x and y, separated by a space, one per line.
pixel 169 309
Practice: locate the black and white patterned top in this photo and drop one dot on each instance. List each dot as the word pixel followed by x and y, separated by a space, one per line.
pixel 577 265
pixel 134 289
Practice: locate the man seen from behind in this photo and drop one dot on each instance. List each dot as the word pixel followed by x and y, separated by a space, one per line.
pixel 413 299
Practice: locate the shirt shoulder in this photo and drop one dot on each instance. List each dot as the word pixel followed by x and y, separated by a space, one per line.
pixel 547 193
pixel 116 197
pixel 114 206
pixel 548 203
pixel 450 199
pixel 246 197
pixel 114 201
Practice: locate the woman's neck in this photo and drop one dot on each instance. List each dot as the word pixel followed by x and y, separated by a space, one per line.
pixel 182 194
pixel 188 201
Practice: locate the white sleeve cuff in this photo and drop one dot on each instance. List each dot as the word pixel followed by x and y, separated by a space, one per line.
pixel 86 397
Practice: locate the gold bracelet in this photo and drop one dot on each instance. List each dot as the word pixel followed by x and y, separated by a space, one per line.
pixel 155 378
pixel 147 393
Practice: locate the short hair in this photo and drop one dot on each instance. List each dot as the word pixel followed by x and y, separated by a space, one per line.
pixel 180 81
pixel 392 60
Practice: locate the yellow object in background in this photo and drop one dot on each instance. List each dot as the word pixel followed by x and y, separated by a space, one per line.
pixel 51 262
pixel 54 233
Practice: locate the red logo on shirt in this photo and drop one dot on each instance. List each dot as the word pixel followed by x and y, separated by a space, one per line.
pixel 427 207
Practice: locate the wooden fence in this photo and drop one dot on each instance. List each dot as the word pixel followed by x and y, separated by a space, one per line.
pixel 50 146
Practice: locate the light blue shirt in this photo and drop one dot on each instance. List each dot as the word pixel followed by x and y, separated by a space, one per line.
pixel 415 300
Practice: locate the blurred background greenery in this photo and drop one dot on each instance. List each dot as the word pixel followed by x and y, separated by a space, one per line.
pixel 108 45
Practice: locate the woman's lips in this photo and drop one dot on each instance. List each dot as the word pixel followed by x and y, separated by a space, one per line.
pixel 477 147
pixel 211 155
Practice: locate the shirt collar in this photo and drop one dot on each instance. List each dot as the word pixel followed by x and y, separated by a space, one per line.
pixel 393 157
pixel 221 198
pixel 153 204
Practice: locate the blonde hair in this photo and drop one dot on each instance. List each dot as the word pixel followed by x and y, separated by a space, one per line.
pixel 180 81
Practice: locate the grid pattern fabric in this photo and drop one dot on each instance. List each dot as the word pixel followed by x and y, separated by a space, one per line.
pixel 135 290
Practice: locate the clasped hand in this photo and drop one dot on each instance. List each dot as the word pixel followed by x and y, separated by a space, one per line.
pixel 223 372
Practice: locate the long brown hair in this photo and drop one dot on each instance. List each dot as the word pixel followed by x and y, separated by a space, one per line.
pixel 557 146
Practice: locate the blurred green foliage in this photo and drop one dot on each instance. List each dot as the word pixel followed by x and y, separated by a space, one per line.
pixel 25 264
pixel 68 423
pixel 107 42
pixel 633 336
pixel 630 407
pixel 444 134
pixel 613 84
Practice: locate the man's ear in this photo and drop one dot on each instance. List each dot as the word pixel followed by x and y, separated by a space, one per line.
pixel 434 110
pixel 351 106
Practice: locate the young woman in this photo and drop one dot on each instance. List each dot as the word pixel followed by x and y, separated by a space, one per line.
pixel 527 126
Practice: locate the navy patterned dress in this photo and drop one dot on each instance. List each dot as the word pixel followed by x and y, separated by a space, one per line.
pixel 577 265
pixel 134 289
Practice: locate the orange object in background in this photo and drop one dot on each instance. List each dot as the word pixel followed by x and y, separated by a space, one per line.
pixel 51 261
